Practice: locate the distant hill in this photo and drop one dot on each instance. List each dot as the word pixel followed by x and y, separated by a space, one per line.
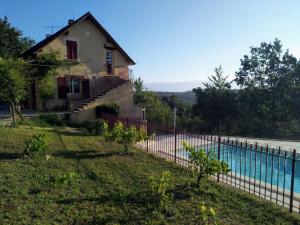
pixel 186 96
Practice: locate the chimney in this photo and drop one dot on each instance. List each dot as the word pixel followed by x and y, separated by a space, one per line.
pixel 70 21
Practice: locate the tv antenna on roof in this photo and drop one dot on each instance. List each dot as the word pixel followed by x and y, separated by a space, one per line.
pixel 52 28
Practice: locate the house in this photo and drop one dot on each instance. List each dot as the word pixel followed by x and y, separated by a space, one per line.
pixel 100 73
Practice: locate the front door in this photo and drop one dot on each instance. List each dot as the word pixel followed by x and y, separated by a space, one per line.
pixel 85 88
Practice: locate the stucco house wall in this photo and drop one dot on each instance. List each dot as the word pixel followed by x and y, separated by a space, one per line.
pixel 122 95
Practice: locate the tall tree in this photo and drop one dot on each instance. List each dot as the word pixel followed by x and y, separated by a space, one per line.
pixel 268 80
pixel 13 83
pixel 215 103
pixel 218 81
pixel 156 110
pixel 12 42
pixel 266 67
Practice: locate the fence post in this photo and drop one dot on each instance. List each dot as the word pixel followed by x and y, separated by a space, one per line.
pixel 147 132
pixel 175 146
pixel 219 150
pixel 292 180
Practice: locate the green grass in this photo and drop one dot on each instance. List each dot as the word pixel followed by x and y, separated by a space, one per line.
pixel 112 188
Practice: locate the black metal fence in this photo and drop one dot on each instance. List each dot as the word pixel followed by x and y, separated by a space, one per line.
pixel 270 173
pixel 126 121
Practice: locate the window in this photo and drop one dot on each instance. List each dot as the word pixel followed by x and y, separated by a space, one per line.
pixel 71 50
pixel 109 61
pixel 75 86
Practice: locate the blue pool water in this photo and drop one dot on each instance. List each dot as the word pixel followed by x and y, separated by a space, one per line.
pixel 260 166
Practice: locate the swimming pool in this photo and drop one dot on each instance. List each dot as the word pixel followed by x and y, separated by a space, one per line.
pixel 271 169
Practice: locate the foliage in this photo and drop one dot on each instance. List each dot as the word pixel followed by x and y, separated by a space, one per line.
pixel 44 63
pixel 96 127
pixel 111 108
pixel 266 103
pixel 64 179
pixel 187 97
pixel 46 86
pixel 12 80
pixel 207 214
pixel 48 120
pixel 37 145
pixel 218 81
pixel 161 186
pixel 123 135
pixel 266 67
pixel 217 108
pixel 204 165
pixel 13 83
pixel 45 67
pixel 156 110
pixel 12 43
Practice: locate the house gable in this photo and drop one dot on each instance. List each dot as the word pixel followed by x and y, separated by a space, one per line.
pixel 90 37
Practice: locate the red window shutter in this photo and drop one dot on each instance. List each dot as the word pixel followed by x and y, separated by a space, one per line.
pixel 74 50
pixel 69 50
pixel 62 87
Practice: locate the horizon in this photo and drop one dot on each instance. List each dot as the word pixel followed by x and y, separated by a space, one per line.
pixel 155 33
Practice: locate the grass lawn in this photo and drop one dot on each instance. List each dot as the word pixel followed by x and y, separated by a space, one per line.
pixel 112 188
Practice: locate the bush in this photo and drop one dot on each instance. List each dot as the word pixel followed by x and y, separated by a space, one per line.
pixel 122 135
pixel 160 186
pixel 204 164
pixel 37 145
pixel 52 119
pixel 95 127
pixel 208 214
pixel 64 179
pixel 44 121
pixel 112 109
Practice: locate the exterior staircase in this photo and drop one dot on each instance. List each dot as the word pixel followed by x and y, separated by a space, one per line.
pixel 100 87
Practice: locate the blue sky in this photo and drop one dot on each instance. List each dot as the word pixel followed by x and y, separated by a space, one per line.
pixel 172 40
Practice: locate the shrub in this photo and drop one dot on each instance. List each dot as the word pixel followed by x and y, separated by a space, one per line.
pixel 161 186
pixel 112 109
pixel 44 121
pixel 204 164
pixel 208 214
pixel 95 127
pixel 64 179
pixel 52 119
pixel 37 145
pixel 122 135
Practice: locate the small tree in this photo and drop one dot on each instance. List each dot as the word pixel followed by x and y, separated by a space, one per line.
pixel 204 165
pixel 37 145
pixel 160 186
pixel 13 83
pixel 208 214
pixel 123 135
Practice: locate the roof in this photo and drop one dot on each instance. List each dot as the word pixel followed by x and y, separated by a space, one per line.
pixel 87 15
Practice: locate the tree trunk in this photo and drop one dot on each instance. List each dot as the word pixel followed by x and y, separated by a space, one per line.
pixel 19 113
pixel 13 124
pixel 198 180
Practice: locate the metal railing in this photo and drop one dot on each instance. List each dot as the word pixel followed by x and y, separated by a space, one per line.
pixel 269 173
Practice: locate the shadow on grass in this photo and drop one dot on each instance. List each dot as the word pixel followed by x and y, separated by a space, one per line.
pixel 182 191
pixel 74 133
pixel 9 155
pixel 88 154
pixel 141 199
